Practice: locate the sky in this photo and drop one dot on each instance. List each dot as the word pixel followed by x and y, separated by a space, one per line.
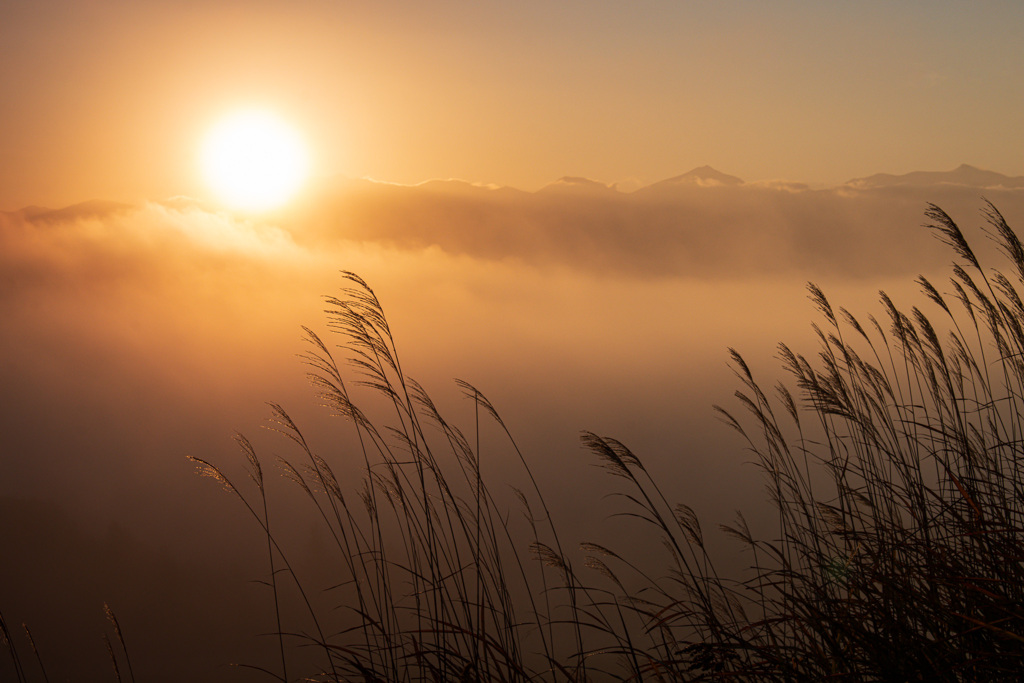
pixel 108 99
pixel 530 188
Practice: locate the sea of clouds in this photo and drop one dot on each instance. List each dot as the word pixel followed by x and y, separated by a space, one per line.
pixel 137 334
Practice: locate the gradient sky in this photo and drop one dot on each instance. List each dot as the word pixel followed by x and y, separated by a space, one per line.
pixel 109 99
pixel 135 334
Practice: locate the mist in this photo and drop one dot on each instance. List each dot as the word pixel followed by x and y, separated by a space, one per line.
pixel 138 334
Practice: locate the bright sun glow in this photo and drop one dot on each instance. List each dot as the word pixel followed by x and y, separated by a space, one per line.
pixel 254 161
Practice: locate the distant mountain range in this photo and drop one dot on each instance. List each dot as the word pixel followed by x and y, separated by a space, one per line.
pixel 706 176
pixel 968 176
pixel 699 178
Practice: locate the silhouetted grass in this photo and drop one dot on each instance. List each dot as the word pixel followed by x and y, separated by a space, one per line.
pixel 440 585
pixel 894 468
pixel 24 672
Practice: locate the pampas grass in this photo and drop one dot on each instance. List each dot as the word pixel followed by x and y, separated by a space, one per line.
pixel 892 458
pixel 24 673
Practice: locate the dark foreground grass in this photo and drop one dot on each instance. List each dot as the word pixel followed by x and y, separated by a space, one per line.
pixel 33 667
pixel 893 459
pixel 894 466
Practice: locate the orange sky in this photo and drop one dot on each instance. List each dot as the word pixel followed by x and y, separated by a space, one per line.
pixel 110 99
pixel 138 330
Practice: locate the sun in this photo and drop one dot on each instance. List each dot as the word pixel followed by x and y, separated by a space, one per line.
pixel 254 161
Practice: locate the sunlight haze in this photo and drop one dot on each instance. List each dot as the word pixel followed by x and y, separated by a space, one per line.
pixel 226 224
pixel 253 160
pixel 109 99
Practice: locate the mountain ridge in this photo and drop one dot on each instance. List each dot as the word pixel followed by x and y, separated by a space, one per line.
pixel 964 174
pixel 702 177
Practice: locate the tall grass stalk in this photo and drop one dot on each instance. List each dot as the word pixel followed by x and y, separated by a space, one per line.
pixel 893 466
pixel 22 675
pixel 438 583
pixel 12 650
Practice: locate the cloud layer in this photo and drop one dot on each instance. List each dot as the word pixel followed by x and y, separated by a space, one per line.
pixel 697 225
pixel 137 335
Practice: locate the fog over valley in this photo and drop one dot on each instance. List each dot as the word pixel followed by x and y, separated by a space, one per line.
pixel 136 334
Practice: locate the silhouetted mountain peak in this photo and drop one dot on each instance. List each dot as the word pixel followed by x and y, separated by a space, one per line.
pixel 702 176
pixel 964 174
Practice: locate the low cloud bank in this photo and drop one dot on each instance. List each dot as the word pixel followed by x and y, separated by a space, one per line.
pixel 683 229
pixel 137 335
pixel 704 224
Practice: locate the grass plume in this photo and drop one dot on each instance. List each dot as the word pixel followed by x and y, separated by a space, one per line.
pixel 892 458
